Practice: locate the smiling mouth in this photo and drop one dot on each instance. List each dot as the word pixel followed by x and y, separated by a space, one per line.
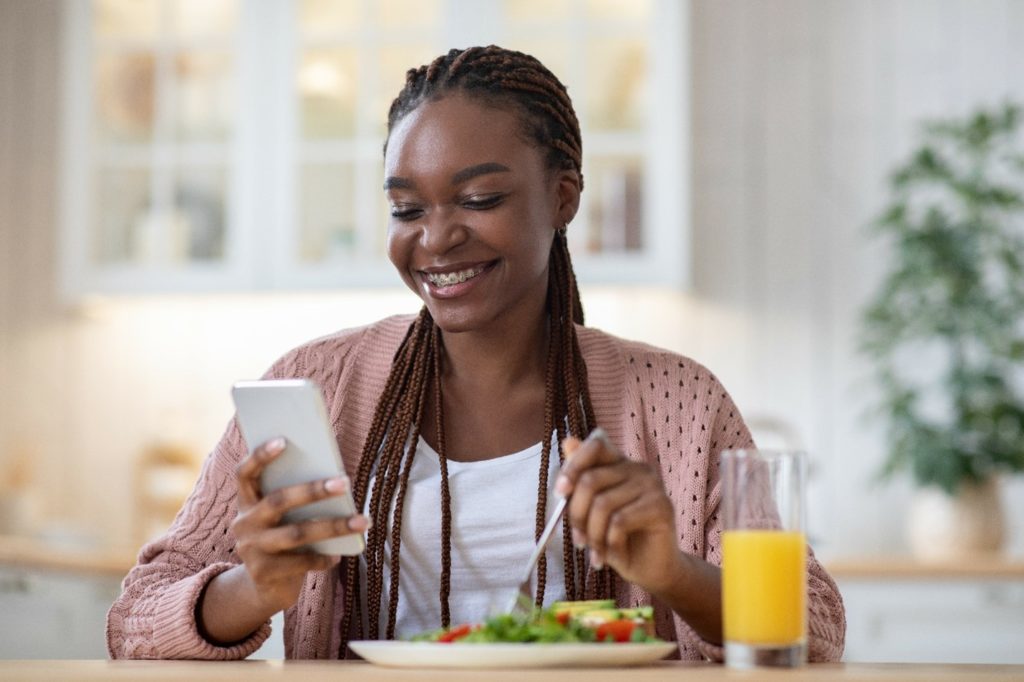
pixel 447 279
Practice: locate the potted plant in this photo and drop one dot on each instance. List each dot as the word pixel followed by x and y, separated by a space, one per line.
pixel 945 329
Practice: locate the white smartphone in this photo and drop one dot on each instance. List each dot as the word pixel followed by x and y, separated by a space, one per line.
pixel 294 409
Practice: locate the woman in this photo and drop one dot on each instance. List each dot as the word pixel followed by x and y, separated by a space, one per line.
pixel 454 423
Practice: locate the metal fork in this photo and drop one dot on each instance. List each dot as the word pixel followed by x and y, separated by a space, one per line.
pixel 522 602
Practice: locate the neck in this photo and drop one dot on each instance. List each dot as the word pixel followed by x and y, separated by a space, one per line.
pixel 498 358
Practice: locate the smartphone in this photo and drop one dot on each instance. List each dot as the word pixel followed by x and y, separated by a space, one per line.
pixel 294 409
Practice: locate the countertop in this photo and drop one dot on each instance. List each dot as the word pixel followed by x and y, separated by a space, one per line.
pixel 988 567
pixel 115 562
pixel 333 671
pixel 34 554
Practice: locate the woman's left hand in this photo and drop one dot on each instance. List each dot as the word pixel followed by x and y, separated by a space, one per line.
pixel 619 509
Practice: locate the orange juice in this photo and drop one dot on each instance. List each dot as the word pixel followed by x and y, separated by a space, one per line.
pixel 764 586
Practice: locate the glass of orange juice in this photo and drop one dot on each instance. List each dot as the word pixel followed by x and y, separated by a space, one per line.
pixel 764 558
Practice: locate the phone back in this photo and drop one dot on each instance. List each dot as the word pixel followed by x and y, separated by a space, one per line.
pixel 294 409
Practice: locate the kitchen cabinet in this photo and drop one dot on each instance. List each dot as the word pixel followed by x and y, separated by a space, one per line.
pixel 900 611
pixel 54 601
pixel 230 146
pixel 54 615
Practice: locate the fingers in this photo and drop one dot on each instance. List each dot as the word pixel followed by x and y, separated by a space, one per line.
pixel 269 569
pixel 607 505
pixel 293 536
pixel 640 514
pixel 272 508
pixel 599 496
pixel 612 497
pixel 250 469
pixel 590 484
pixel 594 451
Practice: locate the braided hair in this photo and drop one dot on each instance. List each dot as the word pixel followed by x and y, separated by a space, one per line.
pixel 500 77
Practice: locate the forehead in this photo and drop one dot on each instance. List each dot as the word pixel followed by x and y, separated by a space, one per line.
pixel 456 132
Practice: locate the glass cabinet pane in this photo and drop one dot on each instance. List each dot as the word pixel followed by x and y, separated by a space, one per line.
pixel 198 223
pixel 317 17
pixel 615 204
pixel 203 18
pixel 327 87
pixel 125 87
pixel 204 96
pixel 532 11
pixel 616 84
pixel 327 212
pixel 407 13
pixel 125 19
pixel 618 10
pixel 124 227
pixel 392 64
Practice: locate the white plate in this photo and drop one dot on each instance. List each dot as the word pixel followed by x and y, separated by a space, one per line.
pixel 435 655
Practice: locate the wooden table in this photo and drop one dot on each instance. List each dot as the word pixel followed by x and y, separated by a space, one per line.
pixel 334 671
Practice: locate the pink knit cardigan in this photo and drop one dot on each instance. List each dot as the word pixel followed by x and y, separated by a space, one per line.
pixel 656 406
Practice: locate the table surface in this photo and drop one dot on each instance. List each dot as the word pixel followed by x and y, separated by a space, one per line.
pixel 315 671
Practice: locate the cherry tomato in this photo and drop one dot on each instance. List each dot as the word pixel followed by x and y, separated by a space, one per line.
pixel 562 618
pixel 455 633
pixel 616 630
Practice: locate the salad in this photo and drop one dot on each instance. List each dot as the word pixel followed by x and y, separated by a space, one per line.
pixel 562 623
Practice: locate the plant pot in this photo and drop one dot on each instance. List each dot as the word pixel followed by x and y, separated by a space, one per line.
pixel 941 527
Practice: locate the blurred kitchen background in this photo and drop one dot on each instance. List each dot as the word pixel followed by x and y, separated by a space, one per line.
pixel 189 188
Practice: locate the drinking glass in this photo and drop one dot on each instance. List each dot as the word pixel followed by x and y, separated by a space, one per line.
pixel 764 558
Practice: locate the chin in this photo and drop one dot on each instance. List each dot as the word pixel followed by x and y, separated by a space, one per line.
pixel 456 319
pixel 455 323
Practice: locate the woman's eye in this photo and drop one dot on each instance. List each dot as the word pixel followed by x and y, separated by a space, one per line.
pixel 483 203
pixel 405 214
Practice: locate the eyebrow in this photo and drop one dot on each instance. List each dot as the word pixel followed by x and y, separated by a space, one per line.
pixel 463 175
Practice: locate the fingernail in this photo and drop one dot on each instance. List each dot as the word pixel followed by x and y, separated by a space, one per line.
pixel 578 541
pixel 359 523
pixel 336 485
pixel 596 560
pixel 562 485
pixel 275 446
pixel 599 434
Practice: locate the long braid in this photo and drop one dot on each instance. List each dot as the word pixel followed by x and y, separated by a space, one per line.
pixel 502 77
pixel 446 497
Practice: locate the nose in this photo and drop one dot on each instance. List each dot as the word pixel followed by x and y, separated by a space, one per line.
pixel 441 232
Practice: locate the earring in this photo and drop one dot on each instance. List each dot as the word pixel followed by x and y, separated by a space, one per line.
pixel 562 230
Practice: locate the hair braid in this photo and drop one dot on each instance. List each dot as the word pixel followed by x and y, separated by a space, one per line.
pixel 446 498
pixel 500 77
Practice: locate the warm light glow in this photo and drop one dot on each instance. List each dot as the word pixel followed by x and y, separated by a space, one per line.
pixel 318 77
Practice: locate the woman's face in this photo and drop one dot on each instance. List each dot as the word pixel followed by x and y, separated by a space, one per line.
pixel 473 212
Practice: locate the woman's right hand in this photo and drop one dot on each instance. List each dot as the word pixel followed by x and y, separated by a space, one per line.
pixel 271 551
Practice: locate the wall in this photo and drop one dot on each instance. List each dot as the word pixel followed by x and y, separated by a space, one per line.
pixel 28 147
pixel 799 109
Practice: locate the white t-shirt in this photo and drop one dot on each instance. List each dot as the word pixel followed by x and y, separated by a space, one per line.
pixel 494 512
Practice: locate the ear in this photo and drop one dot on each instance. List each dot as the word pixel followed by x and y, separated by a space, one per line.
pixel 567 196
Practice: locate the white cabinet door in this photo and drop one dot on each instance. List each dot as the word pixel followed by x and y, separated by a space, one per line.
pixel 237 145
pixel 45 615
pixel 949 621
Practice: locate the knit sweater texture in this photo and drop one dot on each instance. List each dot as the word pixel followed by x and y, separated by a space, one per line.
pixel 657 407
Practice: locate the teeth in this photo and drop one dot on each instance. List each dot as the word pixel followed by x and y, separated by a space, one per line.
pixel 447 279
